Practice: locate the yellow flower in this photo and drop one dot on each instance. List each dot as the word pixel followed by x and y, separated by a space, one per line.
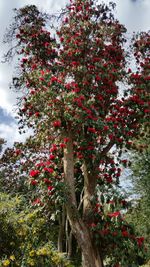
pixel 31 262
pixel 57 258
pixel 21 220
pixel 12 257
pixel 32 253
pixel 42 252
pixel 6 263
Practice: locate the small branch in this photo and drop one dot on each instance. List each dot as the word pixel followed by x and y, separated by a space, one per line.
pixel 107 148
pixel 81 199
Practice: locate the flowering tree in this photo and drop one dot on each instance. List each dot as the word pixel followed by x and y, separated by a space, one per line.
pixel 85 106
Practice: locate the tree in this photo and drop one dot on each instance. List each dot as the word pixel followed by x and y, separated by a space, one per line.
pixel 25 239
pixel 2 142
pixel 81 123
pixel 140 211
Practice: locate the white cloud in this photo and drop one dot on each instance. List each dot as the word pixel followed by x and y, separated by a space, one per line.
pixel 8 101
pixel 11 134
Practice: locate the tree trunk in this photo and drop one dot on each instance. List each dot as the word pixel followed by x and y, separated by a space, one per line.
pixel 61 230
pixel 91 257
pixel 89 189
pixel 90 254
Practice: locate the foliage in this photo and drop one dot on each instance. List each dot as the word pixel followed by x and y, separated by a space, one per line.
pixel 25 236
pixel 82 122
pixel 140 211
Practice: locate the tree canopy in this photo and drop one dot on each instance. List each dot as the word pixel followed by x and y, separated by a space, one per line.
pixel 86 106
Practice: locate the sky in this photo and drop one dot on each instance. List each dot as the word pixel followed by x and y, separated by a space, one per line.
pixel 134 14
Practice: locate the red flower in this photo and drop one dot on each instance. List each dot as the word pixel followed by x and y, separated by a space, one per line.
pixel 47 181
pixel 37 114
pixel 109 179
pixel 97 78
pixel 119 140
pixel 50 188
pixel 54 79
pixel 111 136
pixel 61 38
pixel 114 214
pixel 66 139
pixel 57 123
pixel 106 128
pixel 24 60
pixel 37 201
pixel 140 240
pixel 18 152
pixel 34 173
pixel 46 44
pixel 125 234
pixel 34 182
pixel 52 156
pixel 62 145
pixel 53 148
pixel 50 170
pixel 91 130
pixel 74 63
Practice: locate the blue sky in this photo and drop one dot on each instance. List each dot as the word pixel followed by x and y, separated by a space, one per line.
pixel 134 14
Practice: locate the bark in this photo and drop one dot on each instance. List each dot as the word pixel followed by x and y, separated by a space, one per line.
pixel 61 230
pixel 69 236
pixel 69 172
pixel 70 245
pixel 61 233
pixel 90 254
pixel 89 189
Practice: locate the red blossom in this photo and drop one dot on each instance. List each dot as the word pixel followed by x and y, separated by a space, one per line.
pixel 50 170
pixel 66 139
pixel 34 182
pixel 50 188
pixel 140 241
pixel 125 233
pixel 54 79
pixel 37 114
pixel 37 201
pixel 114 214
pixel 109 179
pixel 57 123
pixel 52 157
pixel 106 128
pixel 18 152
pixel 34 173
pixel 47 181
pixel 91 130
pixel 53 148
pixel 62 145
